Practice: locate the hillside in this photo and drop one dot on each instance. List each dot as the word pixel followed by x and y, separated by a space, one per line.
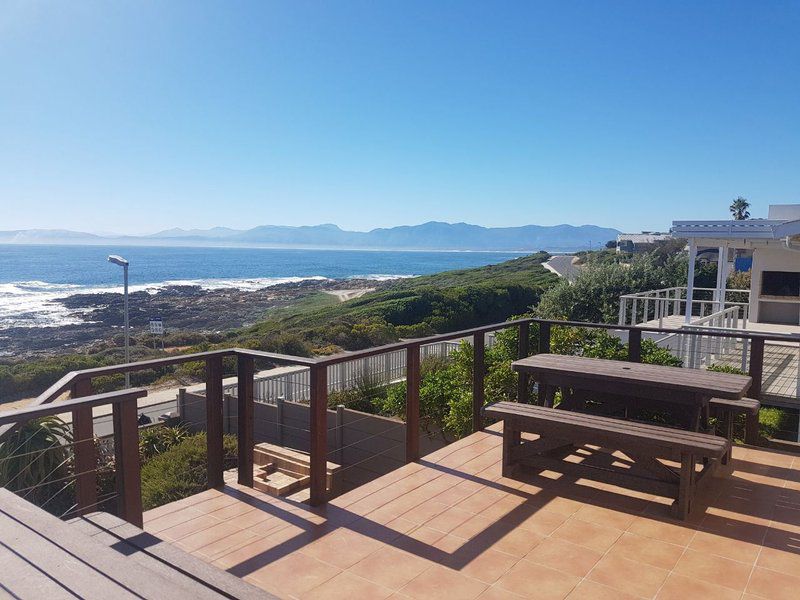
pixel 414 307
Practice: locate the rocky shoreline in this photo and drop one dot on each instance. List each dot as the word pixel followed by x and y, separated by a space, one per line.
pixel 182 309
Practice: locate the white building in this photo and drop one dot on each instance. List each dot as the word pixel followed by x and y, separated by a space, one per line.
pixel 639 242
pixel 771 304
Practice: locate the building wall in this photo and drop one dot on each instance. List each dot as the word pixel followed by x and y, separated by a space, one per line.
pixel 770 258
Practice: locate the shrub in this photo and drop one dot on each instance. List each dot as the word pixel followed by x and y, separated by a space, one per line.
pixel 158 439
pixel 35 461
pixel 180 472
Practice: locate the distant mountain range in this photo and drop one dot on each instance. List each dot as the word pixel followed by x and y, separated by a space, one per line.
pixel 433 235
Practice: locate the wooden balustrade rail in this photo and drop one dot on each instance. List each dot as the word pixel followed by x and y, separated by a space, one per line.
pixel 79 383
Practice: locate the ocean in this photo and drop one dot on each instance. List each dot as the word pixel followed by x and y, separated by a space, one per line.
pixel 31 277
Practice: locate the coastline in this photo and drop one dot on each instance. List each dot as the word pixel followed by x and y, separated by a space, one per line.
pixel 97 317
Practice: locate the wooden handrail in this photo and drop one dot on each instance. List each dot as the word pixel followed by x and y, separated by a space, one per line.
pixel 36 412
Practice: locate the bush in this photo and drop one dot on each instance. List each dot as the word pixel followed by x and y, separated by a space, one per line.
pixel 180 472
pixel 158 439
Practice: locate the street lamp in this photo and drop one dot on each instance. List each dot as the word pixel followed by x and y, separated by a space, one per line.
pixel 118 260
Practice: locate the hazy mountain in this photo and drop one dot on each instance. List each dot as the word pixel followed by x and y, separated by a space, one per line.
pixel 433 235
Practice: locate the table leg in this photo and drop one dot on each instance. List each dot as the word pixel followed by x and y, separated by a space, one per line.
pixel 548 395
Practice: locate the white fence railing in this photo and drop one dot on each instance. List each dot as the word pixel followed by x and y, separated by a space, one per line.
pixel 698 351
pixel 382 369
pixel 656 305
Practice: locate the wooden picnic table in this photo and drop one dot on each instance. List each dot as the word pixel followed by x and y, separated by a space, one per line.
pixel 683 391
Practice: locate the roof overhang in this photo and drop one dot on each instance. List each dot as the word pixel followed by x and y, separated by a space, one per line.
pixel 736 234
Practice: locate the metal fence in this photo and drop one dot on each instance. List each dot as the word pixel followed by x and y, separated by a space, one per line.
pixel 382 369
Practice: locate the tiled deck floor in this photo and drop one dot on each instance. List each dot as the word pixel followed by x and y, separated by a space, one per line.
pixel 453 527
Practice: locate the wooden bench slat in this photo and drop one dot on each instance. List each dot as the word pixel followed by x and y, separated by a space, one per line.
pixel 667 441
pixel 611 421
pixel 748 406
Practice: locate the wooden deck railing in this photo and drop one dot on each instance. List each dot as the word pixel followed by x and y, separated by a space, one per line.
pixel 79 384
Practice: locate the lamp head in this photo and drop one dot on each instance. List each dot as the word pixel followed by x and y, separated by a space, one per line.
pixel 118 260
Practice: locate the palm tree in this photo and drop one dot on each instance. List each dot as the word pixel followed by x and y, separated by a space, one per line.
pixel 739 209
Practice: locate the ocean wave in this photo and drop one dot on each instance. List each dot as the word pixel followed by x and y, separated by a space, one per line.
pixel 380 277
pixel 34 303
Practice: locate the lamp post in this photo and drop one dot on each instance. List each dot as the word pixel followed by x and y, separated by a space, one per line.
pixel 118 260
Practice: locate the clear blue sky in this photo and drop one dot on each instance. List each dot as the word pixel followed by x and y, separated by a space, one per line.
pixel 137 116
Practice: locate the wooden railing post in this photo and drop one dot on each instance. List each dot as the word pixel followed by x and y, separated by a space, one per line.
pixel 635 345
pixel 757 373
pixel 478 375
pixel 244 419
pixel 523 348
pixel 412 402
pixel 214 444
pixel 126 460
pixel 319 434
pixel 85 455
pixel 544 338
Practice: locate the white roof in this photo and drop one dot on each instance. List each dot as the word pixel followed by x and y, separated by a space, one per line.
pixel 764 229
pixel 784 221
pixel 642 238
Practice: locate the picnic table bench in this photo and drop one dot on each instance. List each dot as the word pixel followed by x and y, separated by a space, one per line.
pixel 561 432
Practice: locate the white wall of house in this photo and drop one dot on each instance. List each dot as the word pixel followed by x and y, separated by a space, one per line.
pixel 772 258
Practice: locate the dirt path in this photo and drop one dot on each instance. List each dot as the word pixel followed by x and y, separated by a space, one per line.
pixel 344 295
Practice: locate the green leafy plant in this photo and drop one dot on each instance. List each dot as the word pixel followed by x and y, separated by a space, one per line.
pixel 35 462
pixel 180 472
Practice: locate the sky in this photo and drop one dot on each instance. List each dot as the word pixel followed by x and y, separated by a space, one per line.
pixel 132 117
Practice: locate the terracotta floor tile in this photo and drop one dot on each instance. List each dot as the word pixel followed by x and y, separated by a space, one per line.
pixel 726 546
pixel 262 551
pixel 498 593
pixel 171 519
pixel 678 587
pixel 390 567
pixel 190 527
pixel 488 566
pixel 424 512
pixel 226 544
pixel 774 585
pixel 564 556
pixel 476 525
pixel 504 508
pixel 596 537
pixel 480 501
pixel 541 521
pixel 346 586
pixel 662 530
pixel 601 515
pixel 449 519
pixel 440 582
pixel 207 537
pixel 342 548
pixel 631 577
pixel 591 590
pixel 781 552
pixel 517 542
pixel 536 581
pixel 293 575
pixel 714 569
pixel 647 550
